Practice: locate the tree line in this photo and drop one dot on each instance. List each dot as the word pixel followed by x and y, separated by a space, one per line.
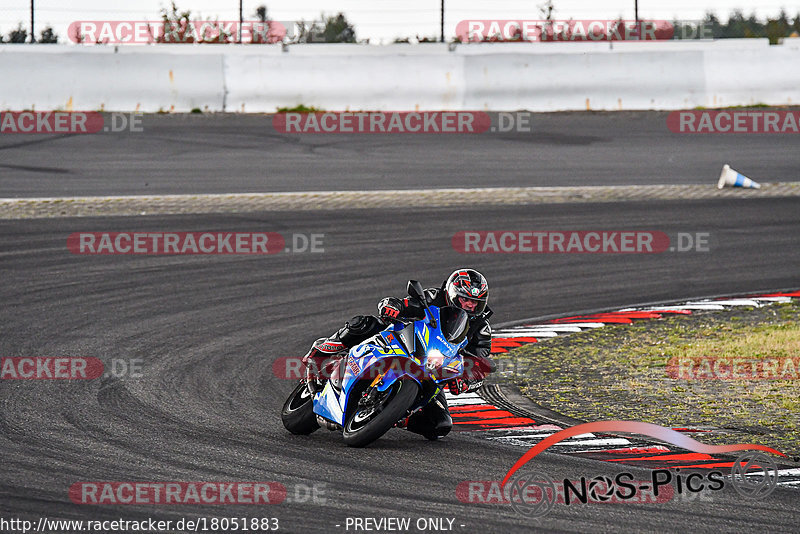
pixel 337 29
pixel 739 26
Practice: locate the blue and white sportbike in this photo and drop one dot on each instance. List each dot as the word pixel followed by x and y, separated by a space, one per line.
pixel 385 379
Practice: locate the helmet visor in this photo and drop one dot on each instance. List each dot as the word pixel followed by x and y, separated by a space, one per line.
pixel 470 305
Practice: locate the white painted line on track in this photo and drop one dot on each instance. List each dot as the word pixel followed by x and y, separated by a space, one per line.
pixel 696 306
pixel 463 396
pixel 782 300
pixel 594 442
pixel 525 333
pixel 736 302
pixel 541 434
pixel 552 327
pixel 589 324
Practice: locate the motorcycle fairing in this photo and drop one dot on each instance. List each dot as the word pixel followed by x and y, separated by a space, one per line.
pixel 405 351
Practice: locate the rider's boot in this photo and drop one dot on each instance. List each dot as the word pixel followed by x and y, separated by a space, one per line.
pixel 433 421
pixel 320 360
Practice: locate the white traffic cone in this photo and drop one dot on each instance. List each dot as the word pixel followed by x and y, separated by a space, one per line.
pixel 730 177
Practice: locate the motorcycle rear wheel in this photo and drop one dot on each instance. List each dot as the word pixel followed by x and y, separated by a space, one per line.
pixel 298 411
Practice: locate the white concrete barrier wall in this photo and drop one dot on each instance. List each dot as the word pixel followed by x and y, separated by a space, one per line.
pixel 346 82
pixel 749 77
pixel 548 77
pixel 81 80
pixel 620 81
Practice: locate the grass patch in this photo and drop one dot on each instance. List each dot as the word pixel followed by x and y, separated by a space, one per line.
pixel 759 105
pixel 761 342
pixel 300 108
pixel 620 372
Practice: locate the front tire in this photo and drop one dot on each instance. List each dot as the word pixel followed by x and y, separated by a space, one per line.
pixel 298 411
pixel 365 425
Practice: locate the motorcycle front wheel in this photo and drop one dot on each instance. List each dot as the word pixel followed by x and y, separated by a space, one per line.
pixel 373 419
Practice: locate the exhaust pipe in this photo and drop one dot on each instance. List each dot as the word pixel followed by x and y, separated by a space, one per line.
pixel 330 425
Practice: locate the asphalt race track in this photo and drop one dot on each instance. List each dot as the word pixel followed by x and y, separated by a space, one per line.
pixel 207 329
pixel 243 153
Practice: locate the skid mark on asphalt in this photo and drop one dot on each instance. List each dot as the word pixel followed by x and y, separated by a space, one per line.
pixel 471 412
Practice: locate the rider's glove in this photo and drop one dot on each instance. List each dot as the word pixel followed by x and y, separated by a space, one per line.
pixel 473 386
pixel 458 386
pixel 476 368
pixel 390 308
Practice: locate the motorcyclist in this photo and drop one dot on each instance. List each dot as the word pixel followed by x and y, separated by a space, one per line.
pixel 464 288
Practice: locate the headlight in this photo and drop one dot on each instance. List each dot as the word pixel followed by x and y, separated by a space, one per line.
pixel 434 360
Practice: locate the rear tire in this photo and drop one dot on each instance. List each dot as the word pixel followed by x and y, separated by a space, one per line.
pixel 362 428
pixel 298 411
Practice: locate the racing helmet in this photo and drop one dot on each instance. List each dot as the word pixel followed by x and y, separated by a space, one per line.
pixel 467 289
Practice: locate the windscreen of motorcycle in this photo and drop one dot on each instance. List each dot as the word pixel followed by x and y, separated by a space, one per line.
pixel 406 338
pixel 455 324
